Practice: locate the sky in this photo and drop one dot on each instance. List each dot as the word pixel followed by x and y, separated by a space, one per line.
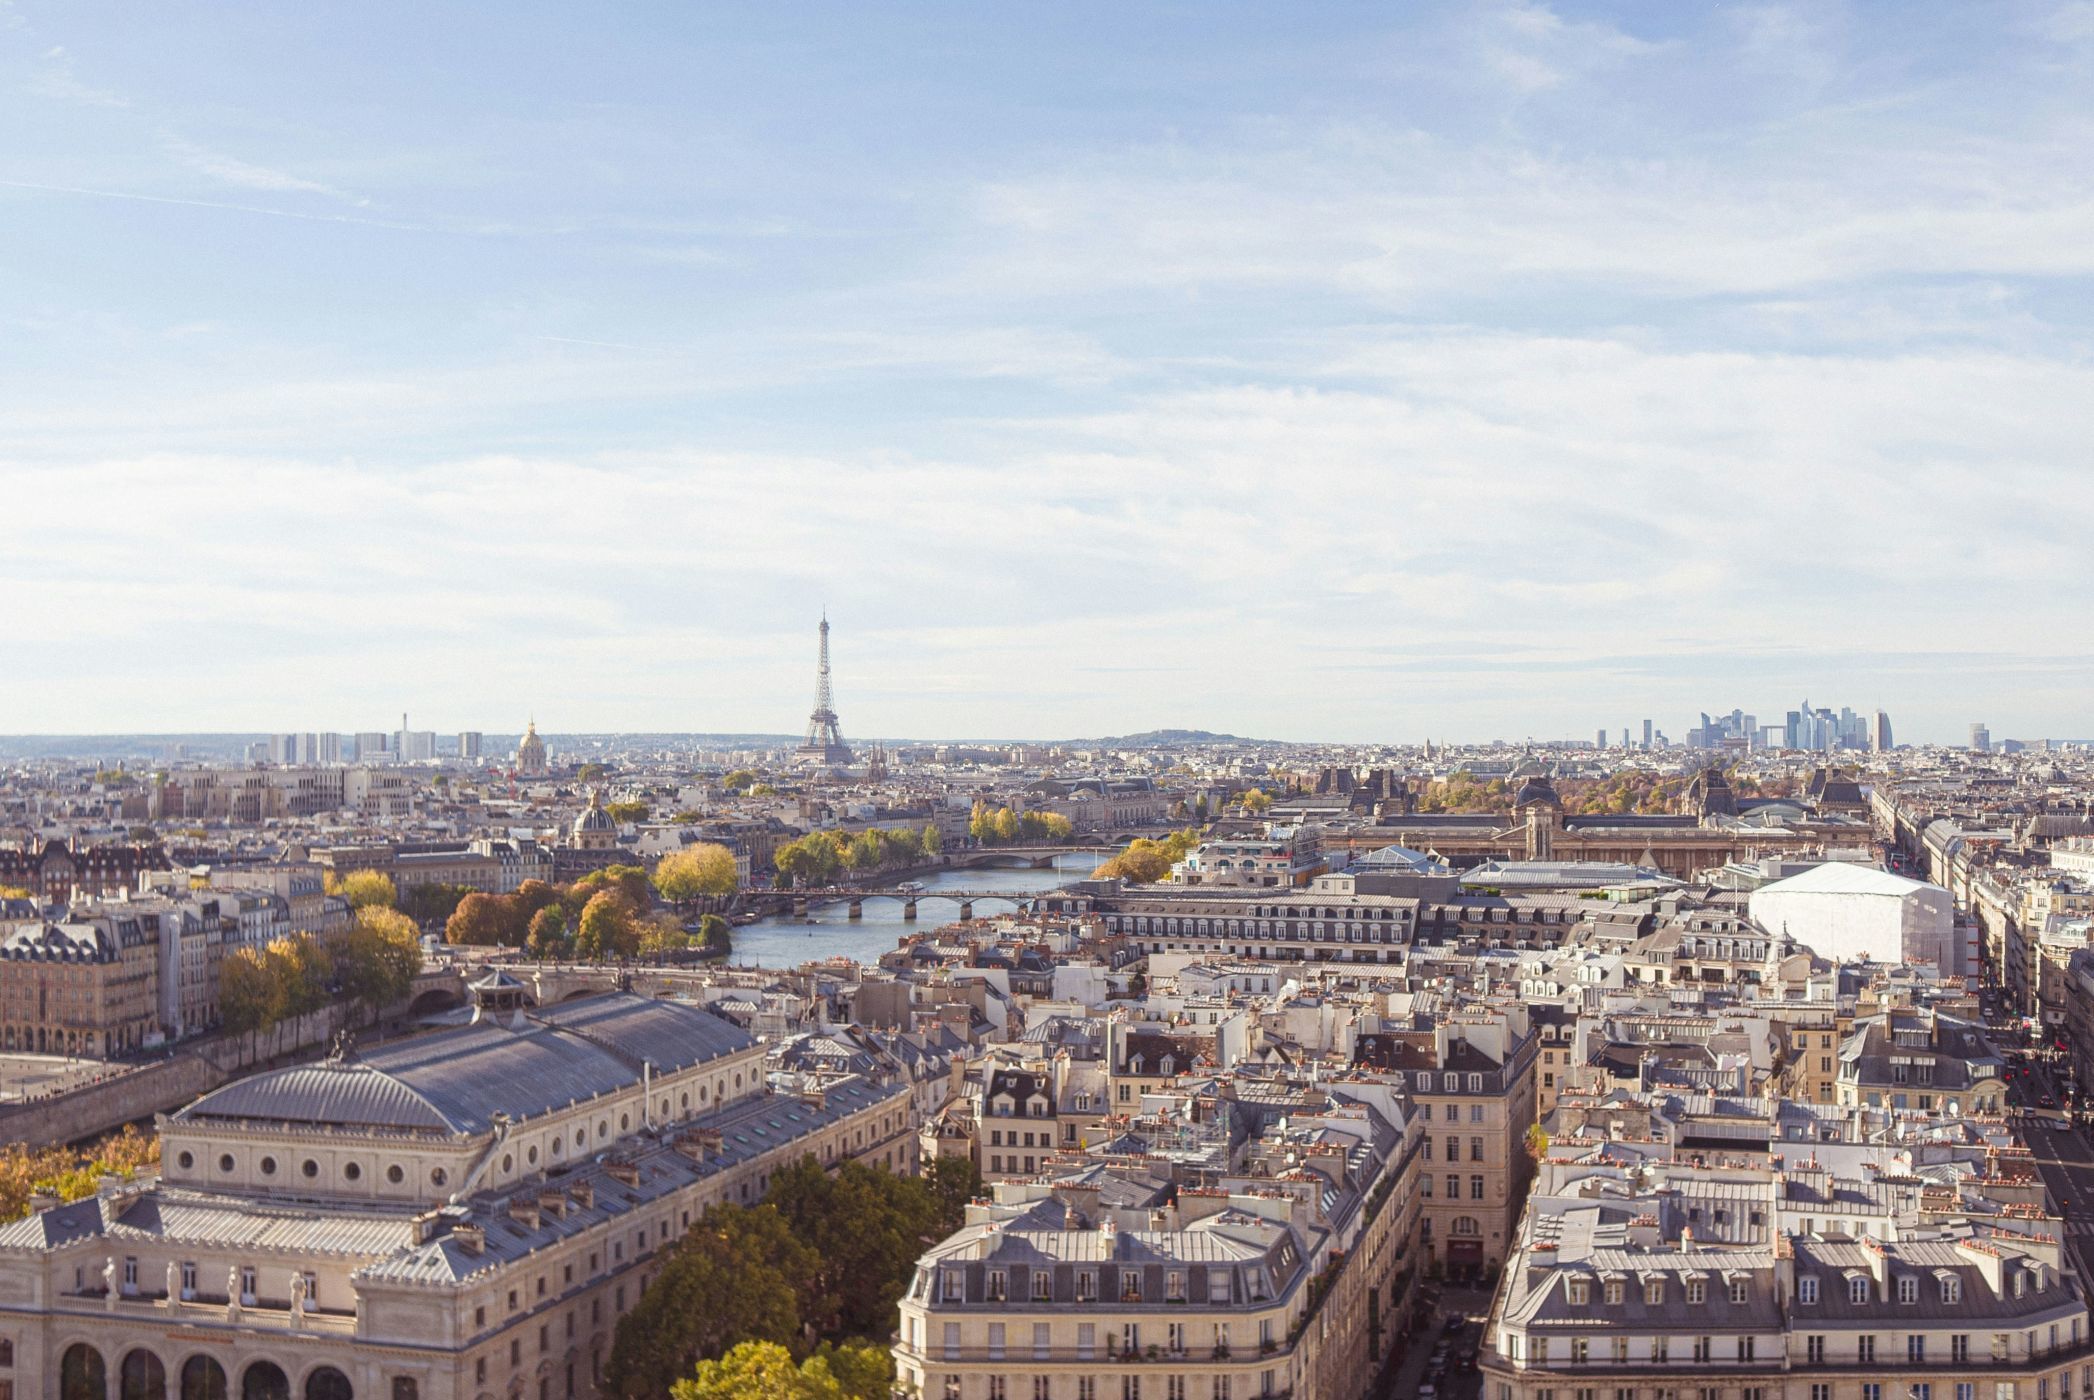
pixel 1306 371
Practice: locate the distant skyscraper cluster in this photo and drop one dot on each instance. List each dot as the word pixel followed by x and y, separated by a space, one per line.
pixel 1807 729
pixel 403 745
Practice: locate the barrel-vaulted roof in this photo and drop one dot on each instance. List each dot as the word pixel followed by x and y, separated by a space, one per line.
pixel 452 1082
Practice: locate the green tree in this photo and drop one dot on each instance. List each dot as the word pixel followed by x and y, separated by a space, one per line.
pixel 763 790
pixel 932 842
pixel 432 903
pixel 702 870
pixel 629 880
pixel 738 1275
pixel 549 937
pixel 592 773
pixel 364 887
pixel 740 780
pixel 608 928
pixel 716 935
pixel 623 812
pixel 766 1371
pixel 1006 825
pixel 953 1181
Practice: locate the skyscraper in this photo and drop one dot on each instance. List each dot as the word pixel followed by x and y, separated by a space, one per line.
pixel 1879 733
pixel 469 745
pixel 1980 738
pixel 824 743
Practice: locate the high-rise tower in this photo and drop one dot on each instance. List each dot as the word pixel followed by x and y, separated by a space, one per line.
pixel 824 743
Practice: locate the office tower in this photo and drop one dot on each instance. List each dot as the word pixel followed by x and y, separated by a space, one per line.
pixel 330 750
pixel 1879 733
pixel 1980 738
pixel 1600 741
pixel 283 748
pixel 371 748
pixel 1646 734
pixel 469 745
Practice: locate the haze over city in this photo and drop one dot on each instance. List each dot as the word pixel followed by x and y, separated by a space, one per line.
pixel 1315 372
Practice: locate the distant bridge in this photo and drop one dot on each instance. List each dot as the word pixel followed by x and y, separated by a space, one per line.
pixel 802 901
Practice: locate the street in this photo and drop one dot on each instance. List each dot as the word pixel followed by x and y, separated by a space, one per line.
pixel 2063 1159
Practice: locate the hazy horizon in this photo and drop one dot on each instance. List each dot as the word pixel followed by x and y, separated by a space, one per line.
pixel 1481 368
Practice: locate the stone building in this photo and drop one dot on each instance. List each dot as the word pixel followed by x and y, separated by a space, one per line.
pixel 462 1214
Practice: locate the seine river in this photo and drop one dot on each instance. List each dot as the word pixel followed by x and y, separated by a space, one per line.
pixel 784 942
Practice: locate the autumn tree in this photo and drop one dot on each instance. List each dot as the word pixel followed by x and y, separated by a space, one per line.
pixel 608 928
pixel 377 961
pixel 623 812
pixel 304 969
pixel 250 998
pixel 480 921
pixel 931 843
pixel 364 887
pixel 702 870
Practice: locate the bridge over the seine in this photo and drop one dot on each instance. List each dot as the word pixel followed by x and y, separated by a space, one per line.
pixel 856 895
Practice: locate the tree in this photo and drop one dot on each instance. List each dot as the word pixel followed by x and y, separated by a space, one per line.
pixel 1145 861
pixel 933 843
pixel 1006 825
pixel 607 929
pixel 716 935
pixel 378 960
pixel 480 921
pixel 737 1275
pixel 549 937
pixel 763 790
pixel 304 970
pixel 629 880
pixel 592 773
pixel 1257 800
pixel 661 935
pixel 364 887
pixel 250 998
pixel 765 1371
pixel 740 780
pixel 1537 1141
pixel 14 892
pixel 702 870
pixel 431 903
pixel 623 812
pixel 954 1181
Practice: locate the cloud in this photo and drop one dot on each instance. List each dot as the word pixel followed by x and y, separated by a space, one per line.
pixel 57 77
pixel 227 170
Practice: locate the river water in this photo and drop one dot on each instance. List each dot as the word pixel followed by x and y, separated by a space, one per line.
pixel 781 941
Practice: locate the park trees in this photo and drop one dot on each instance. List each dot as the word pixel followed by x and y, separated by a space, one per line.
pixel 550 935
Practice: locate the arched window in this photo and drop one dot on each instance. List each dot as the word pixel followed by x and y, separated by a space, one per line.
pixel 1466 1225
pixel 140 1376
pixel 326 1383
pixel 202 1379
pixel 265 1380
pixel 81 1375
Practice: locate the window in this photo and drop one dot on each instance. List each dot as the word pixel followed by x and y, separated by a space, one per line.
pixel 1580 1291
pixel 1959 1351
pixel 1745 1348
pixel 1697 1293
pixel 1581 1351
pixel 1908 1289
pixel 1857 1290
pixel 1916 1349
pixel 1475 1149
pixel 1737 1290
pixel 1614 1291
pixel 1621 1350
pixel 1701 1348
pixel 1951 1289
pixel 1807 1289
pixel 1865 1349
pixel 1654 1290
pixel 1475 1188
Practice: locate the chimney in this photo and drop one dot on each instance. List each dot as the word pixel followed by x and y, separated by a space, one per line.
pixel 1686 1239
pixel 472 1239
pixel 524 1211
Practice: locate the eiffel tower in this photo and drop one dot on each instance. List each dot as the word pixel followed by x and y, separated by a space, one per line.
pixel 824 744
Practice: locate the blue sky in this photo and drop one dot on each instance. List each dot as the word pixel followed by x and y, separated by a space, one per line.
pixel 1312 371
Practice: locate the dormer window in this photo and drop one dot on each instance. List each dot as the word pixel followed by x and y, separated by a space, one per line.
pixel 998 1283
pixel 1086 1285
pixel 1580 1292
pixel 1614 1292
pixel 1951 1289
pixel 1908 1289
pixel 1737 1290
pixel 1857 1290
pixel 1807 1289
pixel 1697 1293
pixel 1654 1291
pixel 953 1285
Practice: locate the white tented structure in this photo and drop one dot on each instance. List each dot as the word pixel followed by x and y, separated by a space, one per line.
pixel 1844 912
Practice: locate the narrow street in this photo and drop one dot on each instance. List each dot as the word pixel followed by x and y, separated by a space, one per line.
pixel 2064 1160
